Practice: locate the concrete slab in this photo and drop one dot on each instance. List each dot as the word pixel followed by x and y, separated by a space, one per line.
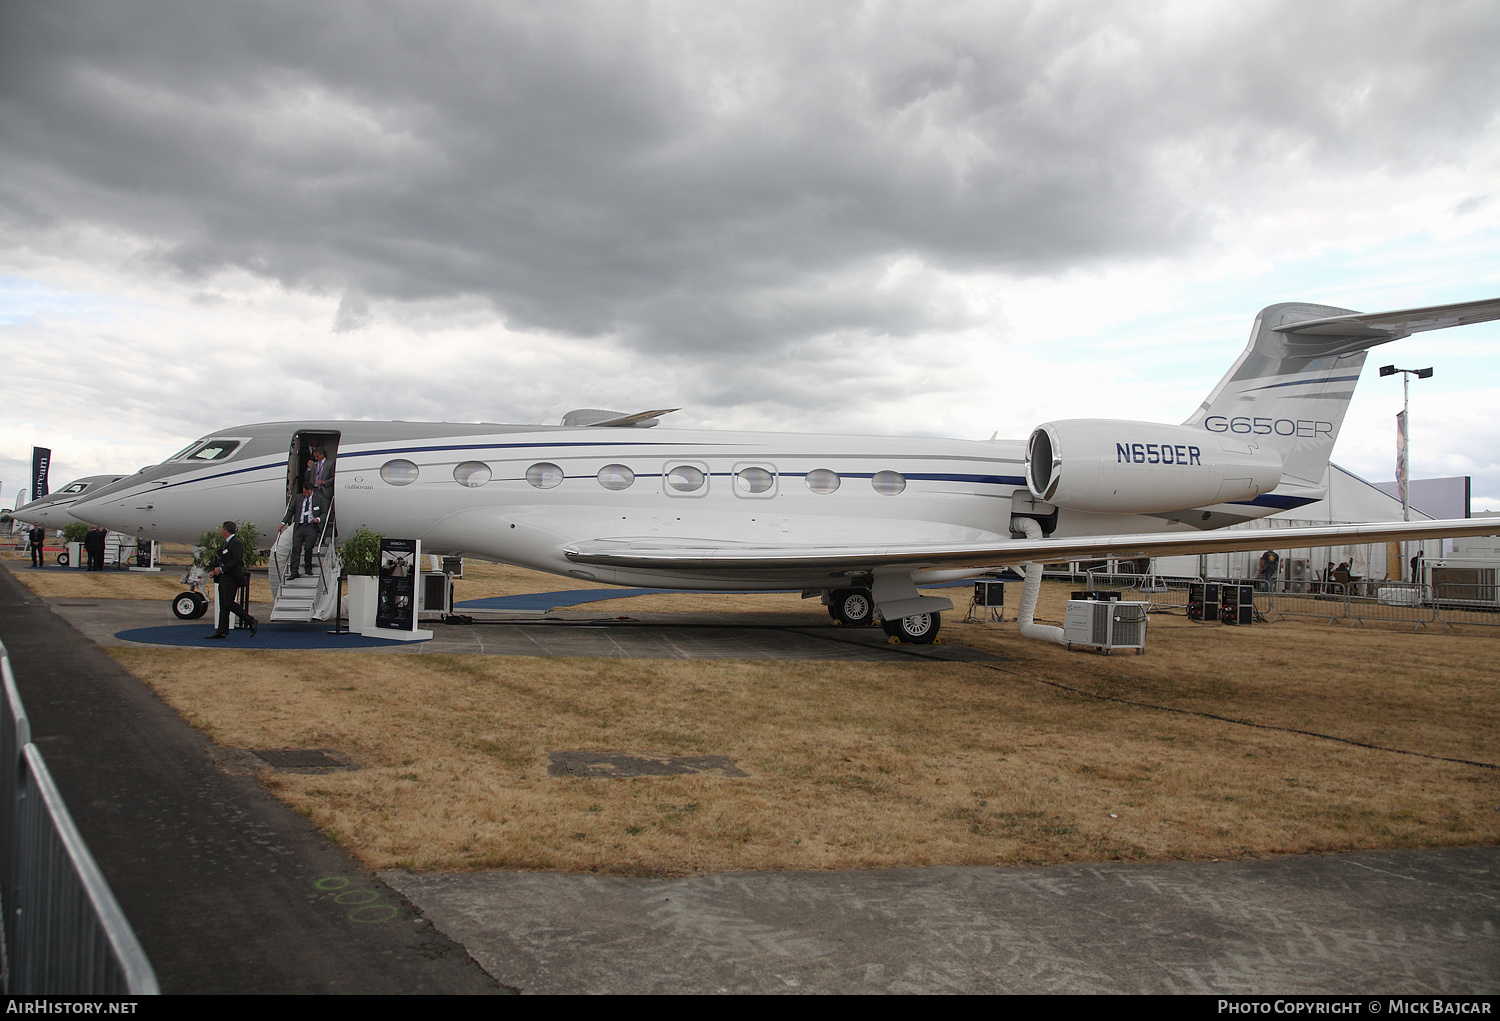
pixel 1413 922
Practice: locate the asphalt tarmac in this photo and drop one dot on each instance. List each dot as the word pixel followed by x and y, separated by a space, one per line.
pixel 231 891
pixel 228 889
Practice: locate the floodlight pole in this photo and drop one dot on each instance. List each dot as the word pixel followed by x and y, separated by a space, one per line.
pixel 1406 374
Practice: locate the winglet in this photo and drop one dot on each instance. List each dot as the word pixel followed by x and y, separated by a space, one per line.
pixel 615 419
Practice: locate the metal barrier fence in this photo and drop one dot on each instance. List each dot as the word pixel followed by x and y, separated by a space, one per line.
pixel 64 931
pixel 1445 601
pixel 15 734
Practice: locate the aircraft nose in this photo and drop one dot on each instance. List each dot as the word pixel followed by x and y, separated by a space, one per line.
pixel 117 512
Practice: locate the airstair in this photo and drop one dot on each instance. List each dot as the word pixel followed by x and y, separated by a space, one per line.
pixel 310 596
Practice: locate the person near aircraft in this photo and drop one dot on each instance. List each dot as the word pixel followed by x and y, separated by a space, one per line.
pixel 231 576
pixel 1270 560
pixel 93 544
pixel 305 515
pixel 319 472
pixel 38 537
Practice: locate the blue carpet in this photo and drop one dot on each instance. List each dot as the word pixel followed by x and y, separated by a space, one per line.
pixel 279 635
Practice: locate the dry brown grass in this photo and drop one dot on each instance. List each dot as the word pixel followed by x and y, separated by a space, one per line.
pixel 112 584
pixel 861 765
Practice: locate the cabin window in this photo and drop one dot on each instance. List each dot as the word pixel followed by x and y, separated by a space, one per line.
pixel 888 483
pixel 544 475
pixel 755 480
pixel 471 473
pixel 214 450
pixel 822 481
pixel 399 472
pixel 616 477
pixel 685 478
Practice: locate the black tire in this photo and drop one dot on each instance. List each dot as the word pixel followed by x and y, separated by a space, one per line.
pixel 189 605
pixel 62 559
pixel 918 629
pixel 852 607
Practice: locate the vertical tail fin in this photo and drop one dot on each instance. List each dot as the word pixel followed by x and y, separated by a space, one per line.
pixel 1290 387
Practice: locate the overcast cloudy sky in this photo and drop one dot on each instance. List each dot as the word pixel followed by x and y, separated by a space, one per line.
pixel 934 218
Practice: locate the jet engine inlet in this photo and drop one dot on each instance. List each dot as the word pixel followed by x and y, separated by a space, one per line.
pixel 1107 466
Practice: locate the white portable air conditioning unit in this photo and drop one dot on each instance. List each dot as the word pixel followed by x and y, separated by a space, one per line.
pixel 1105 625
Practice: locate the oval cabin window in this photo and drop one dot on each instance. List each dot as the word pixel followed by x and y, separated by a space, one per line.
pixel 754 480
pixel 822 481
pixel 616 477
pixel 472 474
pixel 685 478
pixel 399 472
pixel 544 475
pixel 888 483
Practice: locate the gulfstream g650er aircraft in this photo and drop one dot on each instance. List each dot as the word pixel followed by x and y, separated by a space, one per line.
pixel 860 519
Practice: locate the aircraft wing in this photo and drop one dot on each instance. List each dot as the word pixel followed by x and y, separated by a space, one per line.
pixel 707 555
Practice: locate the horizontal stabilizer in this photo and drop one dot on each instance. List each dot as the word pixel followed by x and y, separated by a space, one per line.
pixel 707 555
pixel 1386 326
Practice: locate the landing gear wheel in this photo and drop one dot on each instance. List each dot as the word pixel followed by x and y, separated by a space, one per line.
pixel 62 559
pixel 852 607
pixel 189 605
pixel 918 629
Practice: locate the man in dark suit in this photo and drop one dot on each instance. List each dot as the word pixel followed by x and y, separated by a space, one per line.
pixel 38 537
pixel 93 542
pixel 320 473
pixel 305 515
pixel 231 576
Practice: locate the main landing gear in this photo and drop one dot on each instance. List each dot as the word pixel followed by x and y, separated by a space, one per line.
pixel 852 607
pixel 918 629
pixel 855 607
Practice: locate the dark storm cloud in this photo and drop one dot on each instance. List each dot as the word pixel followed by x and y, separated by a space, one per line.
pixel 698 176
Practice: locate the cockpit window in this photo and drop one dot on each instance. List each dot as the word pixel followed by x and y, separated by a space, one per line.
pixel 185 451
pixel 76 487
pixel 214 450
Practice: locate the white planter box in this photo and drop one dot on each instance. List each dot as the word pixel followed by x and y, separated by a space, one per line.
pixel 362 600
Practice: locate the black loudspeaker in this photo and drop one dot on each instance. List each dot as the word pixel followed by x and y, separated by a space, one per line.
pixel 1203 601
pixel 1237 604
pixel 989 593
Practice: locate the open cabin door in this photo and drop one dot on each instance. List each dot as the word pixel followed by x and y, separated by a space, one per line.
pixel 305 584
pixel 301 464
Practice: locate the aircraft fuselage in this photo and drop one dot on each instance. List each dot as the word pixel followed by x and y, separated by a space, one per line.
pixel 519 495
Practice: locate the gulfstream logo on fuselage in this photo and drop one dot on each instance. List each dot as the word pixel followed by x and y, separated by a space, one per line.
pixel 1156 453
pixel 1266 426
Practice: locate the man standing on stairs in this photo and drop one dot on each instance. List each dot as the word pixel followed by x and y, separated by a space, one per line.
pixel 306 516
pixel 320 473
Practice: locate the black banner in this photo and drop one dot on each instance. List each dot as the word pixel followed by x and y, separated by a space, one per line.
pixel 396 607
pixel 41 460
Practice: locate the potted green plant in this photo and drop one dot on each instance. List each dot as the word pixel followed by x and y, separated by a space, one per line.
pixel 73 533
pixel 360 555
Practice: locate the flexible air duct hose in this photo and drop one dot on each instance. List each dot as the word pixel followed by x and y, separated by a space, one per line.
pixel 1031 590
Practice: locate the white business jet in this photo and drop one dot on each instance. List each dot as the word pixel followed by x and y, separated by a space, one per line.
pixel 52 510
pixel 861 520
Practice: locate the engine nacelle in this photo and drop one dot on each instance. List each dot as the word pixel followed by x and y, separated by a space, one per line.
pixel 1095 464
